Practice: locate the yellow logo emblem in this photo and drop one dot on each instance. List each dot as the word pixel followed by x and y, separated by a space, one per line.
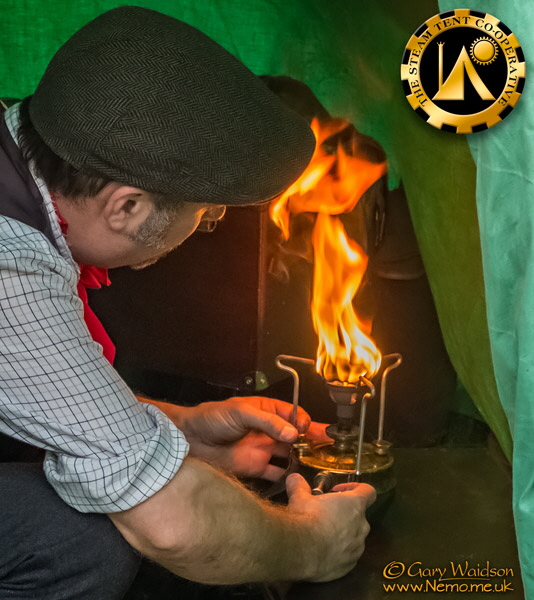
pixel 463 71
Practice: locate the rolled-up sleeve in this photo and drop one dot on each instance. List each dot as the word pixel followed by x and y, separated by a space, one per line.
pixel 106 452
pixel 116 482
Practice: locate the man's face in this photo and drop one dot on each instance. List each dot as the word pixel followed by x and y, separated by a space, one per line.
pixel 121 227
pixel 182 225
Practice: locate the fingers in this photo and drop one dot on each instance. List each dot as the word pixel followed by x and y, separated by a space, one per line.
pixel 272 473
pixel 276 407
pixel 317 432
pixel 285 410
pixel 278 449
pixel 361 490
pixel 298 488
pixel 303 420
pixel 276 427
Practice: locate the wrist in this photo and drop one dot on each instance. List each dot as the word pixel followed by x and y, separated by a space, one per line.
pixel 177 414
pixel 304 550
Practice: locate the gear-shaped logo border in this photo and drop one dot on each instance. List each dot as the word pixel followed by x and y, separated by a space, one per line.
pixel 502 39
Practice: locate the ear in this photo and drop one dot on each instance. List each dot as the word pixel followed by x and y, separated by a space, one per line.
pixel 126 208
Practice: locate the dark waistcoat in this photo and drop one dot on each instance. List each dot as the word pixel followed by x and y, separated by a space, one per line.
pixel 20 198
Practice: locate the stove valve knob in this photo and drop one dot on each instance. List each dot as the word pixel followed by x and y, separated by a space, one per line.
pixel 322 483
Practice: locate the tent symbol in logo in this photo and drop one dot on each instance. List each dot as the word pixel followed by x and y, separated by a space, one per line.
pixel 454 86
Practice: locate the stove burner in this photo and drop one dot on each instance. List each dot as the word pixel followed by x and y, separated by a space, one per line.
pixel 347 457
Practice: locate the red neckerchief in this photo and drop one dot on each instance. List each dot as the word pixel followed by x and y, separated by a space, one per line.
pixel 91 278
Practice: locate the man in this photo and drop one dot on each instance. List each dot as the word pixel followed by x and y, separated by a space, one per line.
pixel 140 128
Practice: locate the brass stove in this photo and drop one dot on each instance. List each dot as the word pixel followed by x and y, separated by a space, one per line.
pixel 348 456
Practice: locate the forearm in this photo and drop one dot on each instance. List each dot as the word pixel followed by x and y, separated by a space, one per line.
pixel 207 527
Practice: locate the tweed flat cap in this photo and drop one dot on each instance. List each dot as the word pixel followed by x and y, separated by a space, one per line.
pixel 150 101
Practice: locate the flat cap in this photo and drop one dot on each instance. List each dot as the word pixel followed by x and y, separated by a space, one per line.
pixel 150 101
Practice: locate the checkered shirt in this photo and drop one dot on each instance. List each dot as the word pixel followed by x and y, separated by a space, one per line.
pixel 106 452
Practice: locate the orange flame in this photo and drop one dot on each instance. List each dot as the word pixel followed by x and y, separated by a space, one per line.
pixel 331 185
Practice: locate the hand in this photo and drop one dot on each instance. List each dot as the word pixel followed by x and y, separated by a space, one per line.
pixel 340 521
pixel 241 435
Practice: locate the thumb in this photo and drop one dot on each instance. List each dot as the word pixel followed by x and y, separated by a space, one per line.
pixel 362 490
pixel 297 487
